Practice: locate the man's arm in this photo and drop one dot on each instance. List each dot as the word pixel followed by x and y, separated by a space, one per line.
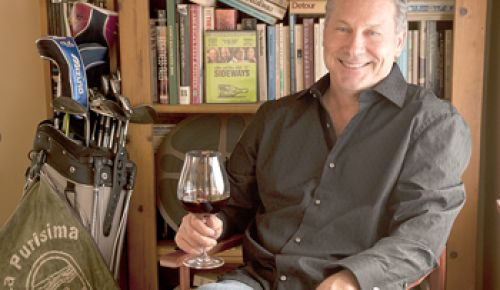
pixel 424 204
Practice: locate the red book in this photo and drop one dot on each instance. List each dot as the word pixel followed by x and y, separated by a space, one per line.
pixel 226 19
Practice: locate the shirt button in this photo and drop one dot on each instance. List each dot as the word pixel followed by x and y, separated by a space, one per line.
pixel 283 278
pixel 328 125
pixel 331 165
pixel 317 202
pixel 298 240
pixel 376 288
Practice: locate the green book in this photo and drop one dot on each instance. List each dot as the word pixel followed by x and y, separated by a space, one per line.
pixel 173 52
pixel 231 66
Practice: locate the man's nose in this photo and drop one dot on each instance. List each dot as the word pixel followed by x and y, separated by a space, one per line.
pixel 356 43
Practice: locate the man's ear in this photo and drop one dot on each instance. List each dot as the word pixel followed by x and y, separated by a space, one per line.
pixel 400 40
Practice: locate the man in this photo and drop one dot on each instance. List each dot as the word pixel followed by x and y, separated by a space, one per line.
pixel 353 183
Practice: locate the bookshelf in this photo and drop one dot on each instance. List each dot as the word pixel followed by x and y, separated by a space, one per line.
pixel 469 20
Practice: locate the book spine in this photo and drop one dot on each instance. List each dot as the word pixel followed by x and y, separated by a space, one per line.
pixel 196 62
pixel 281 3
pixel 271 65
pixel 173 52
pixel 307 7
pixel 409 41
pixel 322 67
pixel 292 21
pixel 430 6
pixel 250 11
pixel 415 56
pixel 308 51
pixel 225 19
pixel 299 57
pixel 286 61
pixel 448 60
pixel 185 55
pixel 317 53
pixel 162 65
pixel 208 18
pixel 262 65
pixel 432 58
pixel 279 46
pixel 422 53
pixel 266 7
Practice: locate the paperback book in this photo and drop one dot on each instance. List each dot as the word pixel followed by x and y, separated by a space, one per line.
pixel 231 79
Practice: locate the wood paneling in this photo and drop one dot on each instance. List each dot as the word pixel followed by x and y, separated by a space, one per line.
pixel 467 96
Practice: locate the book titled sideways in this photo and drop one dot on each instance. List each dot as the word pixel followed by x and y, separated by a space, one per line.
pixel 231 66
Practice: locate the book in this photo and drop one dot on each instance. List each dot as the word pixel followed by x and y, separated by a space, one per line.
pixel 226 19
pixel 237 4
pixel 282 3
pixel 307 7
pixel 154 61
pixel 196 61
pixel 299 57
pixel 206 3
pixel 248 23
pixel 185 55
pixel 292 21
pixel 271 63
pixel 308 51
pixel 173 52
pixel 208 18
pixel 234 81
pixel 267 7
pixel 161 57
pixel 262 60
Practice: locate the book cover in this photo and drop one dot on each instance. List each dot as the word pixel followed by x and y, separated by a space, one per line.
pixel 234 81
pixel 279 52
pixel 292 21
pixel 154 62
pixel 248 23
pixel 226 19
pixel 237 4
pixel 282 3
pixel 307 7
pixel 173 52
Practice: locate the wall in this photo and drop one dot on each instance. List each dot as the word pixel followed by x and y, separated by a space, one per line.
pixel 21 94
pixel 491 156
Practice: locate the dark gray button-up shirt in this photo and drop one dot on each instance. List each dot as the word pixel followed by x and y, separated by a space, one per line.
pixel 379 199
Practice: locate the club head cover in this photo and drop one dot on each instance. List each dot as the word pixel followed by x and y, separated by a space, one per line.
pixel 64 53
pixel 90 23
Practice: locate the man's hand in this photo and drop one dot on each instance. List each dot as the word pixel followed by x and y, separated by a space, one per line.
pixel 195 233
pixel 343 280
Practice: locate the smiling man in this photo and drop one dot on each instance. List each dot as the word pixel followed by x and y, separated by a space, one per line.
pixel 353 183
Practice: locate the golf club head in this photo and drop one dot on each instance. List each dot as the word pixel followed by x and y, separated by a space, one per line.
pixel 143 114
pixel 68 105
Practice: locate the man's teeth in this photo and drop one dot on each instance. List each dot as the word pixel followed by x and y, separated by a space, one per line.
pixel 353 65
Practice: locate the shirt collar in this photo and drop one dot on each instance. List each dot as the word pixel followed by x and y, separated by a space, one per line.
pixel 393 87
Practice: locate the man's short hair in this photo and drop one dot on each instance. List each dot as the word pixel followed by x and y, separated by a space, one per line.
pixel 400 18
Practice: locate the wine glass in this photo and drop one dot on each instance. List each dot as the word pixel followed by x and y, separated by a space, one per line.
pixel 203 189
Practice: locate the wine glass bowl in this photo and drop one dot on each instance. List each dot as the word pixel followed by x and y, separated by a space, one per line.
pixel 203 189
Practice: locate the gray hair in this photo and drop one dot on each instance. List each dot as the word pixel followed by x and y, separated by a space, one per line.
pixel 400 17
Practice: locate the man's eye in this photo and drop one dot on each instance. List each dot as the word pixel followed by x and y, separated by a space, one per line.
pixel 342 29
pixel 373 33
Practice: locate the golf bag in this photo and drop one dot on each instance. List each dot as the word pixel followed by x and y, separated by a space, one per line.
pixel 97 184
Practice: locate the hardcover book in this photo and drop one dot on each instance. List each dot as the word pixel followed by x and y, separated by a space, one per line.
pixel 307 7
pixel 233 80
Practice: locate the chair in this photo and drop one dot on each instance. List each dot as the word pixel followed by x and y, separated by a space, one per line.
pixel 436 278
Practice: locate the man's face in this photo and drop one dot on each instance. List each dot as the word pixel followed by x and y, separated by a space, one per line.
pixel 361 43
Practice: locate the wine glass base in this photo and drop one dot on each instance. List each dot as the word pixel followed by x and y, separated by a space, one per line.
pixel 201 262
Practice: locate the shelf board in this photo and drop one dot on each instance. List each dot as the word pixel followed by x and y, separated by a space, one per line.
pixel 434 16
pixel 208 108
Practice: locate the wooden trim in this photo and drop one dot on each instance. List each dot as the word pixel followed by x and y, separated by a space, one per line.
pixel 141 231
pixel 47 75
pixel 208 108
pixel 467 96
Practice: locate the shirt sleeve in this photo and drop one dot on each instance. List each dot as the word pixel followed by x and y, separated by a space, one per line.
pixel 241 168
pixel 423 206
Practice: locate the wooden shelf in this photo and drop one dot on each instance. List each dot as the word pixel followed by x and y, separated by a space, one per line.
pixel 208 108
pixel 430 16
